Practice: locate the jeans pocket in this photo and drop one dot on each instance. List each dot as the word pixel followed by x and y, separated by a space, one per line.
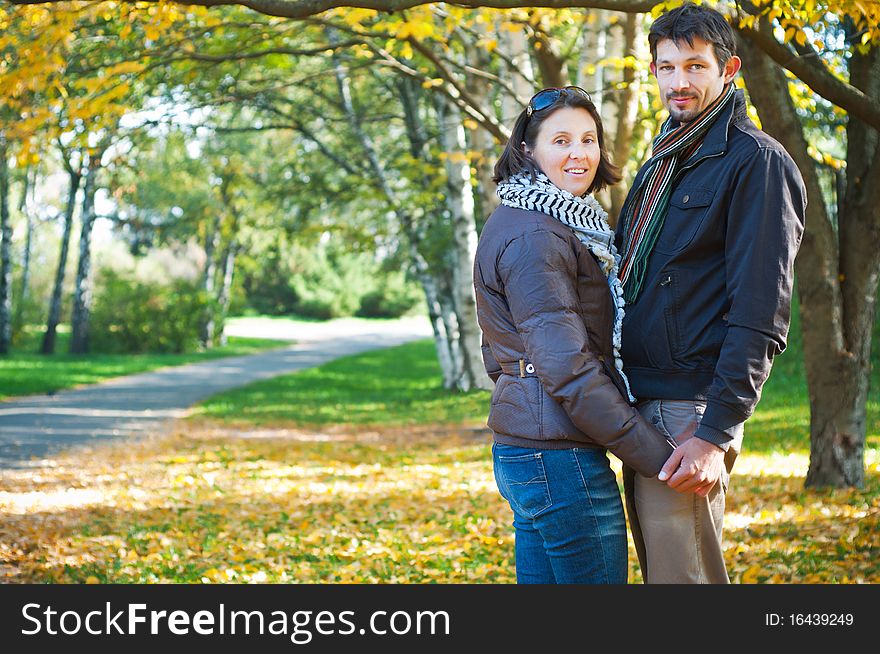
pixel 522 480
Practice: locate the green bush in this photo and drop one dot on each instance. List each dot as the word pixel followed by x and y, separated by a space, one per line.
pixel 392 298
pixel 329 282
pixel 323 281
pixel 133 316
pixel 266 286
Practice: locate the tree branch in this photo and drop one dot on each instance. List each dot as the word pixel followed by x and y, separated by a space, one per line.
pixel 813 72
pixel 305 8
pixel 460 96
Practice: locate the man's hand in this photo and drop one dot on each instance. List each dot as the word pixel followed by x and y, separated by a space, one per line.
pixel 695 466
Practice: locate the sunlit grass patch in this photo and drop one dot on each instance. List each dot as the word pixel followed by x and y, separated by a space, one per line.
pixel 395 386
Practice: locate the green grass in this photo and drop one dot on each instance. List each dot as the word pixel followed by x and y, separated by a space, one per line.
pixel 402 386
pixel 396 386
pixel 24 373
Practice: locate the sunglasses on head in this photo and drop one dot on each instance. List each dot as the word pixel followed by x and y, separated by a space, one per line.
pixel 546 97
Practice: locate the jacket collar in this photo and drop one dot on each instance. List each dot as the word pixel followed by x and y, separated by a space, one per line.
pixel 715 140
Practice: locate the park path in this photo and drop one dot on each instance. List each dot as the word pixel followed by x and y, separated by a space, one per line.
pixel 35 427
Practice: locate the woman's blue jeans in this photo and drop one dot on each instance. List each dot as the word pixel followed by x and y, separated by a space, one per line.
pixel 567 513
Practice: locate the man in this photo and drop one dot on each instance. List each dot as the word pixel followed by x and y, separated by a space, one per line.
pixel 708 236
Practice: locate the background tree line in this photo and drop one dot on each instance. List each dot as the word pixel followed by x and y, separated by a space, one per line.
pixel 293 127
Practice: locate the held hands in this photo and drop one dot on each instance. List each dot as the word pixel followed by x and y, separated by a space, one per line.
pixel 695 466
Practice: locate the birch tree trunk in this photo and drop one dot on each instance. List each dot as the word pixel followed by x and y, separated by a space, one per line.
pixel 82 295
pixel 521 75
pixel 5 251
pixel 414 232
pixel 460 204
pixel 209 277
pixel 24 208
pixel 74 176
pixel 481 142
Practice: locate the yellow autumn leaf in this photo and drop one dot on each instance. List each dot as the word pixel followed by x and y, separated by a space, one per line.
pixel 750 576
pixel 354 17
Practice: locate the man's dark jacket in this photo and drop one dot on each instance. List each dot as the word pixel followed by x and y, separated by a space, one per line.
pixel 716 299
pixel 546 312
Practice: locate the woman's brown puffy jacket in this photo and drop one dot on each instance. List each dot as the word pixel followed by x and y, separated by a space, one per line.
pixel 547 315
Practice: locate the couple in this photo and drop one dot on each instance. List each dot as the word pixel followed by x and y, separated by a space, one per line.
pixel 684 308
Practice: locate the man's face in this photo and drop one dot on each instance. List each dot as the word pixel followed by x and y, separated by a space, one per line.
pixel 690 77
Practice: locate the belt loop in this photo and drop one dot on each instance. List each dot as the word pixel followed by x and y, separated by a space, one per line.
pixel 522 368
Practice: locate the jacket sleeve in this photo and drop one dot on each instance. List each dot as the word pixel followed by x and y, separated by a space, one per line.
pixel 764 230
pixel 539 273
pixel 492 367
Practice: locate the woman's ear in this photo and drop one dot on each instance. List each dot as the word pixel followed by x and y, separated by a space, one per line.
pixel 525 148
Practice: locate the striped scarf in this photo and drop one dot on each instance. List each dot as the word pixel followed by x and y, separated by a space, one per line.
pixel 644 211
pixel 589 222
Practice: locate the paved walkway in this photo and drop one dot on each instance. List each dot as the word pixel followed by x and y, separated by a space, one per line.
pixel 35 427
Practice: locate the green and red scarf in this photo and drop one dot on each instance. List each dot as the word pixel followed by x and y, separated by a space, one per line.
pixel 646 205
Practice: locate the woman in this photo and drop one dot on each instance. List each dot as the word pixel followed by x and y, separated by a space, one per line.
pixel 550 307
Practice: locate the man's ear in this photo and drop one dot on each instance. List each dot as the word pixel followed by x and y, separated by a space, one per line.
pixel 731 68
pixel 653 68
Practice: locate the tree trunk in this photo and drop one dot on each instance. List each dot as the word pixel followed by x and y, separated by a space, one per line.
pixel 592 52
pixel 48 345
pixel 24 208
pixel 627 103
pixel 209 276
pixel 413 231
pixel 82 295
pixel 481 141
pixel 554 72
pixel 435 314
pixel 5 252
pixel 837 309
pixel 451 328
pixel 225 295
pixel 460 204
pixel 837 457
pixel 520 75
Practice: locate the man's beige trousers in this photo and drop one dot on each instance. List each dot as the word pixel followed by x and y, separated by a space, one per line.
pixel 677 535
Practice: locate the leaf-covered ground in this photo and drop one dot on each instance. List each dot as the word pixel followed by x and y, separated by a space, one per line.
pixel 407 505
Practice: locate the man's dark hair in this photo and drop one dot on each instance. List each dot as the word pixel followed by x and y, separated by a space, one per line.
pixel 690 20
pixel 515 159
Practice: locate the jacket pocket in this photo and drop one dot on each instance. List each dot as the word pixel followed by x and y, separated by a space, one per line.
pixel 669 289
pixel 687 209
pixel 516 407
pixel 649 327
pixel 696 319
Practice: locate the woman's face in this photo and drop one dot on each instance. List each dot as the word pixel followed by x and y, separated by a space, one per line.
pixel 567 149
